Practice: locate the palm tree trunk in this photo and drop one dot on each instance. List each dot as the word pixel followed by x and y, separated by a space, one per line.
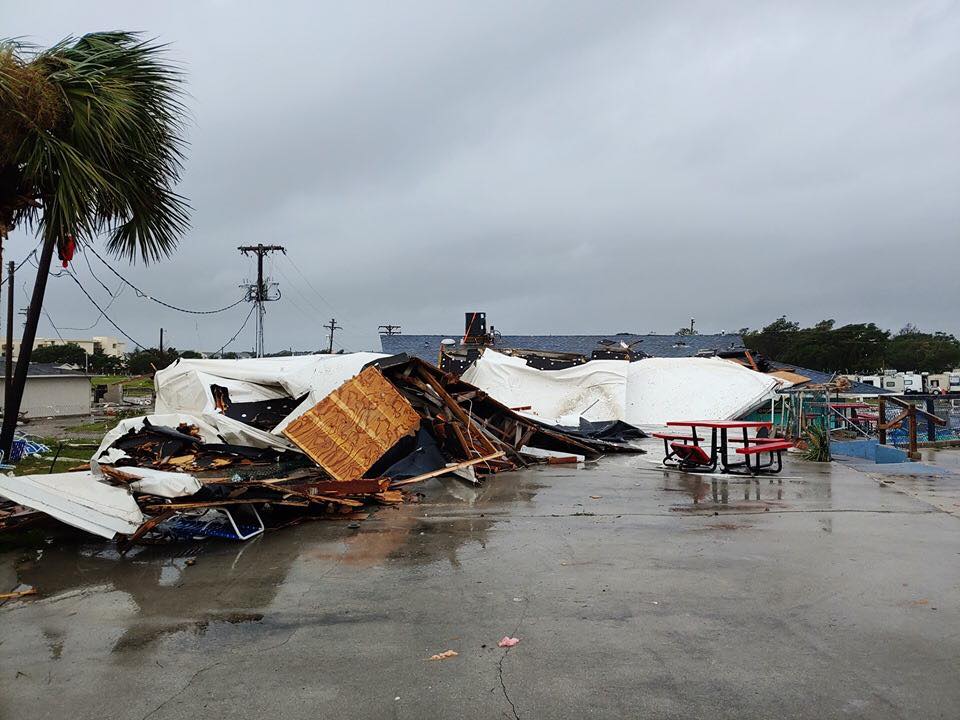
pixel 12 403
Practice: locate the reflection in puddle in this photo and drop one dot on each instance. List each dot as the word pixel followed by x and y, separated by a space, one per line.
pixel 158 591
pixel 713 493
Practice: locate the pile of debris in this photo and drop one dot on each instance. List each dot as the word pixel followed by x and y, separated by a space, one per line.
pixel 294 438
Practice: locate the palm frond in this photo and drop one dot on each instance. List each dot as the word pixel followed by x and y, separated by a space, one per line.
pixel 109 161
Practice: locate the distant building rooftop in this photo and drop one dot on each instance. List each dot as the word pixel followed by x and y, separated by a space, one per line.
pixel 52 369
pixel 426 347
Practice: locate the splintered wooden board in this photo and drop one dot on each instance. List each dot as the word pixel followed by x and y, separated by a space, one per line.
pixel 351 428
pixel 790 377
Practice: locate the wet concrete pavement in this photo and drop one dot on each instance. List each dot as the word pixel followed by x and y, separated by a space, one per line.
pixel 635 592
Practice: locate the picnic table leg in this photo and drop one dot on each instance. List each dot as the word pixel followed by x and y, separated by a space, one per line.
pixel 713 449
pixel 723 449
pixel 746 457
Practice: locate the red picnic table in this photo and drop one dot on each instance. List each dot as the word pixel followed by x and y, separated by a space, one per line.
pixel 690 455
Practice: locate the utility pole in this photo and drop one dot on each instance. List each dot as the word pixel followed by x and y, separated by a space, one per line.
pixel 8 371
pixel 332 326
pixel 161 342
pixel 260 293
pixel 390 329
pixel 12 408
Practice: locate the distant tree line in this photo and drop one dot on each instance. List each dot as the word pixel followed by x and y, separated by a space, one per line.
pixel 856 348
pixel 141 362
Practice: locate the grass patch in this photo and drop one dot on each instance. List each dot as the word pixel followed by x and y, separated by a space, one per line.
pixel 141 386
pixel 71 454
pixel 40 464
pixel 101 426
pixel 106 379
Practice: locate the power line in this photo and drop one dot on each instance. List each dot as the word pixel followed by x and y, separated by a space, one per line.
pixel 22 263
pixel 102 312
pixel 141 293
pixel 306 298
pixel 310 284
pixel 237 333
pixel 113 298
pixel 94 275
pixel 50 320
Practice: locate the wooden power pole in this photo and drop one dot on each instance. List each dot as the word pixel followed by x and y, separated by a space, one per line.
pixel 332 326
pixel 260 292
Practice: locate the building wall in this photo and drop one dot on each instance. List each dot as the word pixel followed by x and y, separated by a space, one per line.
pixel 109 345
pixel 55 395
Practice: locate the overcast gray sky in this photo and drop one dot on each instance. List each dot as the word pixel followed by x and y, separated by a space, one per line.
pixel 568 167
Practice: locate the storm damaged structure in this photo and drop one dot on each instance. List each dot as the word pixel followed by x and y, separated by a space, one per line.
pixel 237 445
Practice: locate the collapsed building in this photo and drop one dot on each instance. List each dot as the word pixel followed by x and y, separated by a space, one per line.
pixel 318 436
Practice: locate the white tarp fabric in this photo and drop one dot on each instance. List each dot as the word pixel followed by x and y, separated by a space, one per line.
pixel 646 392
pixel 664 389
pixel 78 499
pixel 184 394
pixel 595 390
pixel 184 387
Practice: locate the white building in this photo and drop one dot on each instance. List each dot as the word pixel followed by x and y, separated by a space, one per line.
pixel 110 346
pixel 53 391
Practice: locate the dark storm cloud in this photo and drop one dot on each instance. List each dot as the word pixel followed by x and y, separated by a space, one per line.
pixel 567 167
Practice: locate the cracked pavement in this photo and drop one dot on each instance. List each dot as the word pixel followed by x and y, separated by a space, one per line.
pixel 635 592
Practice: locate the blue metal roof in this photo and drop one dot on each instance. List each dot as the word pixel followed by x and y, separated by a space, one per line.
pixel 426 347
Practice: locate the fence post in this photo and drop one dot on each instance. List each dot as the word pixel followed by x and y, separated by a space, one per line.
pixel 881 420
pixel 912 417
pixel 931 428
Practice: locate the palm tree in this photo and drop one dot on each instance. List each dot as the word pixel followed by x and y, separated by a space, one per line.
pixel 90 144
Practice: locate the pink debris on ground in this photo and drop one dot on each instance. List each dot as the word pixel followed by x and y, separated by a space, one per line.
pixel 508 641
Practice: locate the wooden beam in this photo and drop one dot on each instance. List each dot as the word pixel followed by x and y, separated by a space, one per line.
pixel 903 403
pixel 897 420
pixel 449 469
pixel 17 594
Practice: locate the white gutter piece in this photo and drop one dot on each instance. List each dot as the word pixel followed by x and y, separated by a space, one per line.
pixel 77 499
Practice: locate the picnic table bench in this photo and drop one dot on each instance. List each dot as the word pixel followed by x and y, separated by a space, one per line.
pixel 687 453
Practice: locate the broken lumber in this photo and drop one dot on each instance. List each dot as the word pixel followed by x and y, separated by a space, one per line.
pixel 448 469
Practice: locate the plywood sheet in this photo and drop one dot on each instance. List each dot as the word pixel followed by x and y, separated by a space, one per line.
pixel 351 428
pixel 790 377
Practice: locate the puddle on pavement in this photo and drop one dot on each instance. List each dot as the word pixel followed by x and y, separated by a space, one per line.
pixel 944 457
pixel 190 587
pixel 705 493
pixel 144 634
pixel 692 493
